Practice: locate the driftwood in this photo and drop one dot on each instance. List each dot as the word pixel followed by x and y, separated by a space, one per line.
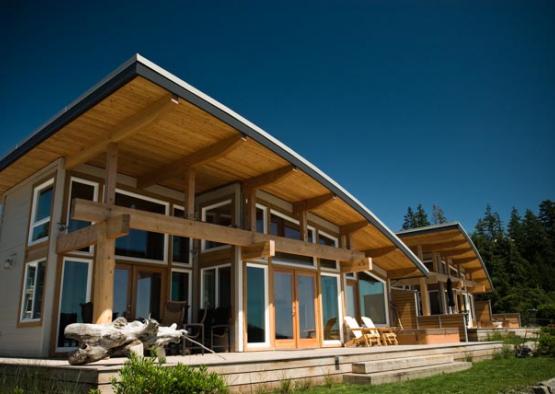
pixel 120 338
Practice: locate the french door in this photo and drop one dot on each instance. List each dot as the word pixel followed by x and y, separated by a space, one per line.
pixel 138 291
pixel 295 308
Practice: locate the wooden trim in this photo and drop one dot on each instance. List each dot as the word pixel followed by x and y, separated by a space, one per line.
pixel 195 159
pixel 124 129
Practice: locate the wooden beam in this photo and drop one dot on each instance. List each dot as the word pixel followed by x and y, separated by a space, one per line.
pixel 111 173
pixel 423 284
pixel 195 159
pixel 268 178
pixel 250 207
pixel 455 252
pixel 440 246
pixel 303 224
pixel 463 260
pixel 352 227
pixel 362 265
pixel 260 250
pixel 403 273
pixel 124 129
pixel 379 252
pixel 116 226
pixel 189 193
pixel 312 203
pixel 103 283
pixel 154 222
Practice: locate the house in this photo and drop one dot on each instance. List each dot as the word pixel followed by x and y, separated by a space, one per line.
pixel 145 190
pixel 446 297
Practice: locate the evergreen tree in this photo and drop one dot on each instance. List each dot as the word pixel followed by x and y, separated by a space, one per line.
pixel 438 215
pixel 408 220
pixel 421 217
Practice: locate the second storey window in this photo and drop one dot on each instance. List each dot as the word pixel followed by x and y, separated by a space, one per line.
pixel 328 240
pixel 284 226
pixel 83 189
pixel 41 212
pixel 33 284
pixel 141 244
pixel 216 287
pixel 181 246
pixel 220 213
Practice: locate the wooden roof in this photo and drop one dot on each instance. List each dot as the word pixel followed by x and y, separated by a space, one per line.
pixel 114 108
pixel 450 240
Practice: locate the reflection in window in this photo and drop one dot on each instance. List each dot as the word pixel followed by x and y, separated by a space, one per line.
pixel 289 229
pixel 222 214
pixel 350 290
pixel 40 212
pixel 141 244
pixel 180 286
pixel 324 239
pixel 216 287
pixel 256 305
pixel 330 307
pixel 32 291
pixel 148 295
pixel 260 220
pixel 372 298
pixel 181 245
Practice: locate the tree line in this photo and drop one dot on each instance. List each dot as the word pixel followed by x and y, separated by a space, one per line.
pixel 519 256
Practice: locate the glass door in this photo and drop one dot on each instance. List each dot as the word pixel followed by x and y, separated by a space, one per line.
pixel 122 292
pixel 305 291
pixel 284 309
pixel 148 293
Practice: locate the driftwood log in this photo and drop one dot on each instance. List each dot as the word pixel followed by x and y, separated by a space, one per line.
pixel 120 338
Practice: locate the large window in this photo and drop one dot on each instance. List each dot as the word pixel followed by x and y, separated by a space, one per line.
pixel 181 285
pixel 181 246
pixel 330 307
pixel 216 287
pixel 372 298
pixel 328 240
pixel 75 294
pixel 33 285
pixel 141 244
pixel 284 226
pixel 257 299
pixel 41 211
pixel 83 189
pixel 220 213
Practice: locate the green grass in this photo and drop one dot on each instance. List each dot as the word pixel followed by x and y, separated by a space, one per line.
pixel 491 376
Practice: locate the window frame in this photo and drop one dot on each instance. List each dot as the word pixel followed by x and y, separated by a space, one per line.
pixel 284 216
pixel 96 186
pixel 203 219
pixel 266 343
pixel 191 255
pixel 333 342
pixel 166 205
pixel 26 265
pixel 90 267
pixel 216 285
pixel 264 217
pixel 336 241
pixel 386 298
pixel 32 224
pixel 190 289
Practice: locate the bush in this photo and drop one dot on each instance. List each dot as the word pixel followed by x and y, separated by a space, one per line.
pixel 546 342
pixel 143 375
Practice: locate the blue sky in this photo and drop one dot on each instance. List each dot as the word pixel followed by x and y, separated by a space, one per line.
pixel 402 102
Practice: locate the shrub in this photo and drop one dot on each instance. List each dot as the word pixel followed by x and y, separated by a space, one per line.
pixel 507 351
pixel 546 342
pixel 143 375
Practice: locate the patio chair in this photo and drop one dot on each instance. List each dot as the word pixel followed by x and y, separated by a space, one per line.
pixel 362 335
pixel 220 330
pixel 175 312
pixel 196 331
pixel 388 336
pixel 330 331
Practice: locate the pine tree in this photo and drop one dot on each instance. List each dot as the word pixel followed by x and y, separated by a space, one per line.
pixel 408 220
pixel 421 217
pixel 438 215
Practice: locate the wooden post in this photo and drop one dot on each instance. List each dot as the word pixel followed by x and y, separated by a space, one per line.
pixel 189 201
pixel 303 221
pixel 104 260
pixel 250 223
pixel 442 301
pixel 424 295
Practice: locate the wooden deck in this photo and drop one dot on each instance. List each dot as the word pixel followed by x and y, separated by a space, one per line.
pixel 258 371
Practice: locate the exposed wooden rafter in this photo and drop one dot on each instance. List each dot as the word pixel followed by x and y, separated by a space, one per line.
pixel 260 250
pixel 124 129
pixel 404 273
pixel 379 252
pixel 455 252
pixel 441 246
pixel 463 260
pixel 312 203
pixel 268 178
pixel 357 266
pixel 353 227
pixel 195 159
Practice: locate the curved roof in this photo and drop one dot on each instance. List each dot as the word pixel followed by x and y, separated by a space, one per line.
pixel 140 67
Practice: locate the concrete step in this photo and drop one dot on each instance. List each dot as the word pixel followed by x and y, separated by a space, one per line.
pixel 393 364
pixel 406 374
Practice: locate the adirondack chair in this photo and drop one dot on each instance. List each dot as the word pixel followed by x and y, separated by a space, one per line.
pixel 387 335
pixel 362 335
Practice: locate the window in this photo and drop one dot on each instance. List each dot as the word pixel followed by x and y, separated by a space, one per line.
pixel 216 287
pixel 257 300
pixel 261 219
pixel 435 303
pixel 181 246
pixel 86 190
pixel 141 244
pixel 326 239
pixel 330 307
pixel 41 211
pixel 220 213
pixel 181 285
pixel 75 294
pixel 33 284
pixel 284 226
pixel 350 293
pixel 372 298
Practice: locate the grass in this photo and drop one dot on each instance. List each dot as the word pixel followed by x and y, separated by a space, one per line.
pixel 501 375
pixel 509 339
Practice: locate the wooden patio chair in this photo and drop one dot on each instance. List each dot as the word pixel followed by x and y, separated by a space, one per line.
pixel 388 336
pixel 362 335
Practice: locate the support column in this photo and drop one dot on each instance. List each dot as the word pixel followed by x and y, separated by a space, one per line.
pixel 303 221
pixel 250 211
pixel 104 260
pixel 442 299
pixel 424 295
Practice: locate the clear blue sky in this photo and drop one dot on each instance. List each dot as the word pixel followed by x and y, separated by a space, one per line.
pixel 445 102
